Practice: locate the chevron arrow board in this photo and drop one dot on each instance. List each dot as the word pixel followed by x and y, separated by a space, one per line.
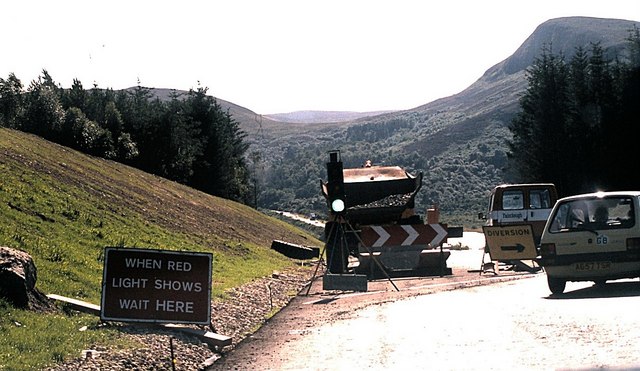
pixel 403 235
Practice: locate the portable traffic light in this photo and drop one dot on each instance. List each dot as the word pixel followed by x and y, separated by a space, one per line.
pixel 335 183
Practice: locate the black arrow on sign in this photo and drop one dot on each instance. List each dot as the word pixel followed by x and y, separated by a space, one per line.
pixel 518 247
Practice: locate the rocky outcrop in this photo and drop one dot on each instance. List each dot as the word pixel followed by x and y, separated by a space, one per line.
pixel 18 276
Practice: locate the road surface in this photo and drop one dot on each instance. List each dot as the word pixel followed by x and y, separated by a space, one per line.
pixel 502 326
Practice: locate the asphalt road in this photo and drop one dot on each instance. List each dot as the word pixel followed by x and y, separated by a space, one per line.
pixel 508 325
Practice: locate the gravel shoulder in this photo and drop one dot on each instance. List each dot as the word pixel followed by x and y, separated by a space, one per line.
pixel 242 312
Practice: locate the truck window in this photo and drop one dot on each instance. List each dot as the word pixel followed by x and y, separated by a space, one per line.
pixel 512 200
pixel 539 199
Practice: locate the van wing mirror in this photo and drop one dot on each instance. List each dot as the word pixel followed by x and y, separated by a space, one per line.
pixel 482 216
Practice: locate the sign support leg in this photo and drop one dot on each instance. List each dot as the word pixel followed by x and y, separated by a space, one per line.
pixel 375 259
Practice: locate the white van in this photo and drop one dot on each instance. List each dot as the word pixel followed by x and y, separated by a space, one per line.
pixel 516 204
pixel 591 237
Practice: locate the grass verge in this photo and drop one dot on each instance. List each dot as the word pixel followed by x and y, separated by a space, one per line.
pixel 64 208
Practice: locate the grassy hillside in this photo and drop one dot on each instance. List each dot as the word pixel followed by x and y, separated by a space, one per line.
pixel 63 208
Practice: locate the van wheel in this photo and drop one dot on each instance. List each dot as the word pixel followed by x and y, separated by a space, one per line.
pixel 556 285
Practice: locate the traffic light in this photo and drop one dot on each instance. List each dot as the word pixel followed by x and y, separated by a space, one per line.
pixel 335 183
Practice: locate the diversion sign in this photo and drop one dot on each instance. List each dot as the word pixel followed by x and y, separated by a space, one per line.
pixel 510 242
pixel 159 286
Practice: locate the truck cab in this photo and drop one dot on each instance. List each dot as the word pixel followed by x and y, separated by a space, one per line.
pixel 521 204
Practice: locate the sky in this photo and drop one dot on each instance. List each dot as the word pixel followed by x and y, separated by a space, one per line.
pixel 277 56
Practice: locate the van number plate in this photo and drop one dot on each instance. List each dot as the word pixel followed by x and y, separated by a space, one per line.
pixel 592 266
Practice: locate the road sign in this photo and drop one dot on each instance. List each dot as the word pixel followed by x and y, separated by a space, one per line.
pixel 159 286
pixel 510 242
pixel 404 235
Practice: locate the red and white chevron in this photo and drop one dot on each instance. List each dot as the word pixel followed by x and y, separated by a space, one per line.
pixel 404 235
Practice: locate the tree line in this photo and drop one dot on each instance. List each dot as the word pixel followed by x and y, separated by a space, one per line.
pixel 579 121
pixel 188 138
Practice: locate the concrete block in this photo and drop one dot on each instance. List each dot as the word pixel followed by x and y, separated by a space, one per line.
pixel 345 282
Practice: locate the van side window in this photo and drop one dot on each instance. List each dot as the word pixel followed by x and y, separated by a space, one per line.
pixel 490 208
pixel 512 200
pixel 539 199
pixel 568 216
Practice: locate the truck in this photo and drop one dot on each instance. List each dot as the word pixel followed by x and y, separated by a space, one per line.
pixel 518 212
pixel 372 226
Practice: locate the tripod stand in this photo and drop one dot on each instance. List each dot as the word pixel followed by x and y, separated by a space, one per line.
pixel 337 244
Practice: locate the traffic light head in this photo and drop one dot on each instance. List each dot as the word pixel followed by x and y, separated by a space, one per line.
pixel 335 183
pixel 337 205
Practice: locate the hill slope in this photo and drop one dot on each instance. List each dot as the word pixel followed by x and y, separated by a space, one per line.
pixel 315 117
pixel 64 207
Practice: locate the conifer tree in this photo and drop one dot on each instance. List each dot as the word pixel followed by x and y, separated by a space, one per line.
pixel 578 122
pixel 536 149
pixel 11 101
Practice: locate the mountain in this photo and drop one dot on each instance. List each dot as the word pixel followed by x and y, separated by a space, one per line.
pixel 564 35
pixel 495 95
pixel 457 142
pixel 316 117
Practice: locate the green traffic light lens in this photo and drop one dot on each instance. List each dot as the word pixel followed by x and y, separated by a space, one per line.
pixel 337 205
